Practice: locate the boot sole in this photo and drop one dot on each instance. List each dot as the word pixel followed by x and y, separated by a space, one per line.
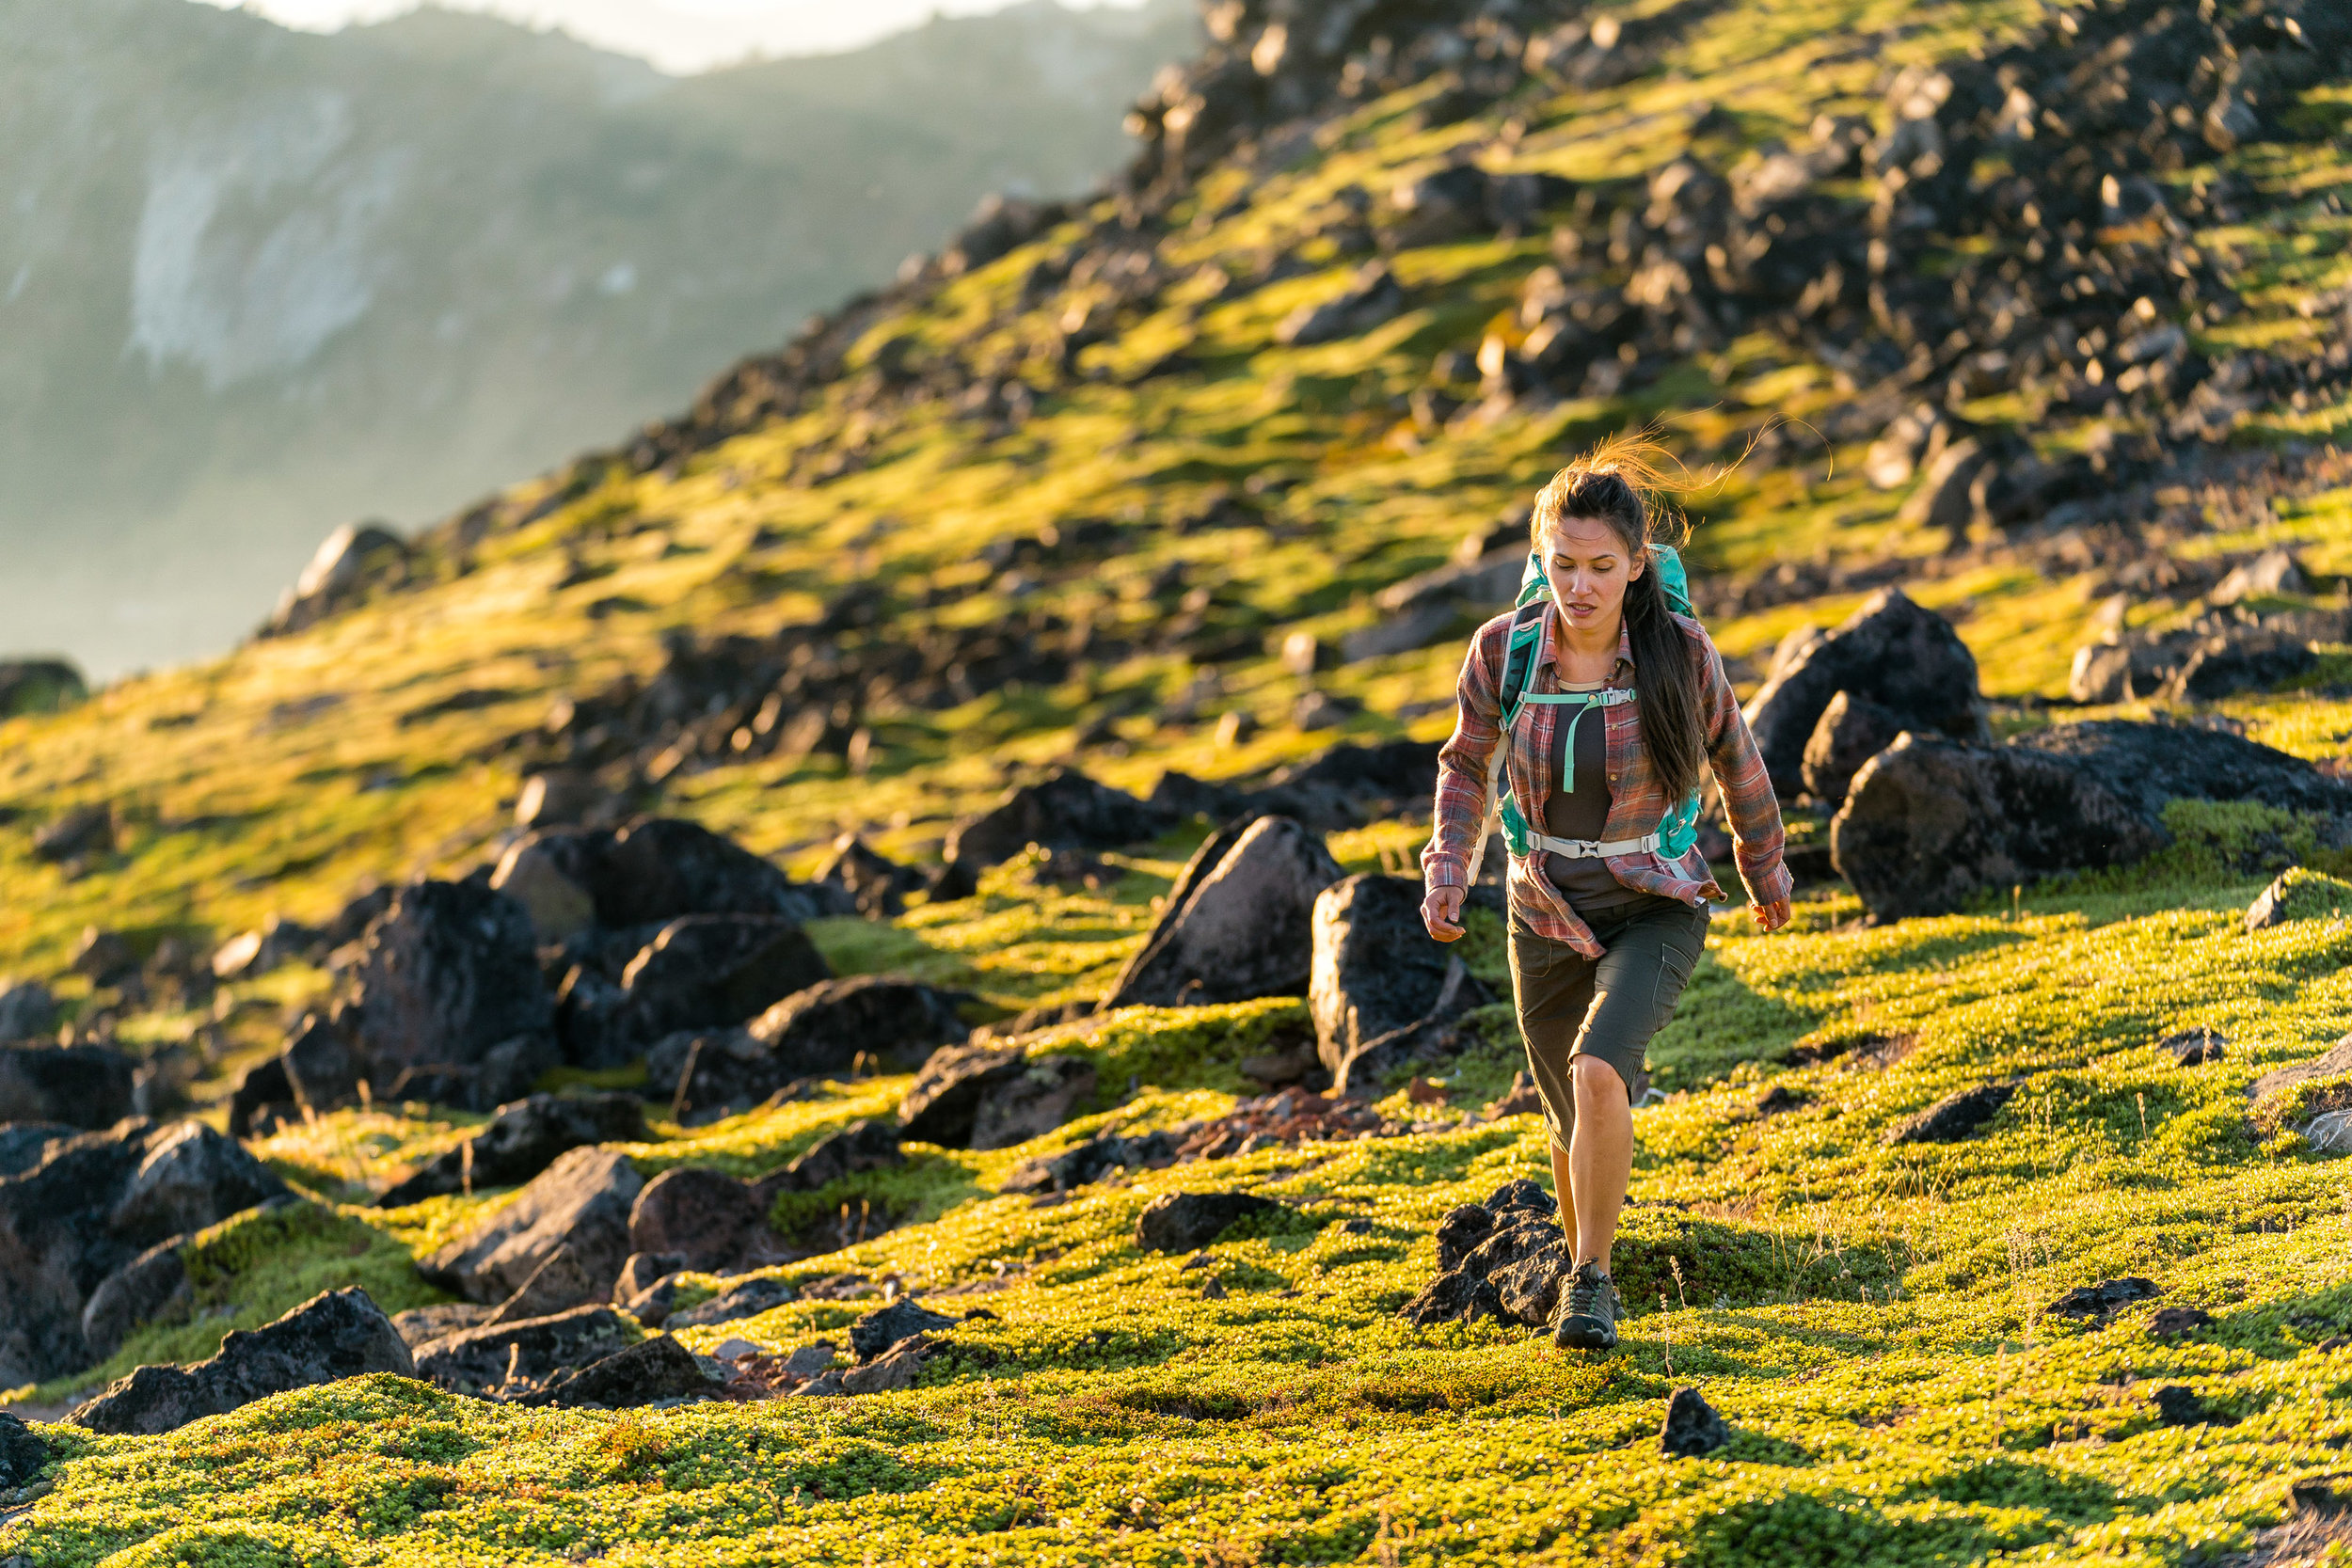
pixel 1576 1335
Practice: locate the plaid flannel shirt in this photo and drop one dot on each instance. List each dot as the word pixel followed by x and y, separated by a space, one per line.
pixel 1637 801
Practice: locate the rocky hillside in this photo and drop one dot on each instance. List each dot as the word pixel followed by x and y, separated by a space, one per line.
pixel 836 979
pixel 257 283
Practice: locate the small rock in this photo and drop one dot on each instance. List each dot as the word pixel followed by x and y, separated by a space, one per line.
pixel 1186 1222
pixel 2103 1299
pixel 333 1336
pixel 2272 572
pixel 809 1360
pixel 1456 1296
pixel 894 1369
pixel 554 799
pixel 1047 1092
pixel 747 1300
pixel 651 1371
pixel 82 831
pixel 903 1319
pixel 22 1452
pixel 1067 810
pixel 1521 1099
pixel 702 972
pixel 2197 1047
pixel 1692 1429
pixel 1379 979
pixel 1955 1117
pixel 644 1270
pixel 945 1098
pixel 2170 1322
pixel 868 1143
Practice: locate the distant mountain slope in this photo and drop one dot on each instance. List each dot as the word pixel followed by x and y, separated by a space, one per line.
pixel 256 281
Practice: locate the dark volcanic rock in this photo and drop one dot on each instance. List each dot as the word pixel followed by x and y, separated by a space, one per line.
pixel 420 1325
pixel 263 1092
pixel 1460 1232
pixel 22 1143
pixel 190 1177
pixel 2100 1300
pixel 876 883
pixel 1379 979
pixel 1692 1429
pixel 2195 1047
pixel 447 977
pixel 1090 1162
pixel 1067 810
pixel 320 1066
pixel 26 1011
pixel 903 1319
pixel 2181 1406
pixel 474 1359
pixel 814 1032
pixel 1048 1091
pixel 1955 1117
pixel 747 1300
pixel 659 1370
pixel 139 1291
pixel 85 1086
pixel 557 1285
pixel 523 1139
pixel 581 1201
pixel 1929 823
pixel 869 1144
pixel 333 1336
pixel 1239 927
pixel 706 1216
pixel 1907 659
pixel 1852 730
pixel 22 1452
pixel 1186 1222
pixel 2148 765
pixel 2235 661
pixel 2172 1321
pixel 702 972
pixel 946 1097
pixel 660 869
pixel 1457 1296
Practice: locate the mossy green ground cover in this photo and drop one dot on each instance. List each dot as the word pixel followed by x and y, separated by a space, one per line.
pixel 1873 1318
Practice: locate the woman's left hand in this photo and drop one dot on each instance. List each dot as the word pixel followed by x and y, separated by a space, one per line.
pixel 1773 916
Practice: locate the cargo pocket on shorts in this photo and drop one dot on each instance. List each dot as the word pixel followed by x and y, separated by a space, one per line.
pixel 1676 956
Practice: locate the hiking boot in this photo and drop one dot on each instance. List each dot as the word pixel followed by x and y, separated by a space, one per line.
pixel 1587 1315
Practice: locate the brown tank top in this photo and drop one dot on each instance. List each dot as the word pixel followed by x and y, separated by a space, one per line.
pixel 1588 885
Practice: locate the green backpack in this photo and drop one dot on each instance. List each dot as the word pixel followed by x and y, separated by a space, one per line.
pixel 1678 830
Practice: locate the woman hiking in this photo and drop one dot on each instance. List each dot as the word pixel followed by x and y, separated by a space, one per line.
pixel 1622 707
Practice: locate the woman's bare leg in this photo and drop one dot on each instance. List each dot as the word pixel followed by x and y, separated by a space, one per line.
pixel 1564 1184
pixel 1599 1162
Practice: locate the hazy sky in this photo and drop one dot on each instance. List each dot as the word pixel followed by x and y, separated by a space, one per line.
pixel 675 35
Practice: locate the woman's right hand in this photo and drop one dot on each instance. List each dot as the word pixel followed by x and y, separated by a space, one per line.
pixel 1441 912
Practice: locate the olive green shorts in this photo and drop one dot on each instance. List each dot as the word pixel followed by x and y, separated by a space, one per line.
pixel 1570 1006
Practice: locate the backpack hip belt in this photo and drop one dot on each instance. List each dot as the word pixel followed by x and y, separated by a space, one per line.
pixel 1590 850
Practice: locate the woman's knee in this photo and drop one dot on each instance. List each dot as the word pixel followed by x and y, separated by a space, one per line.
pixel 1597 1083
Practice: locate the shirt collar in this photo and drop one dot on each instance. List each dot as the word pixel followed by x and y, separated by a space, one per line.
pixel 1547 650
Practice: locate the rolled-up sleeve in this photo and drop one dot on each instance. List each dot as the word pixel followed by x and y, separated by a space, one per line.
pixel 1463 761
pixel 1754 812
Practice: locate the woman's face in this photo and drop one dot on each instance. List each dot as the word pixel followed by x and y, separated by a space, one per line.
pixel 1589 567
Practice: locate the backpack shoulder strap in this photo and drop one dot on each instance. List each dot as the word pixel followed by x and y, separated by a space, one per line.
pixel 1518 657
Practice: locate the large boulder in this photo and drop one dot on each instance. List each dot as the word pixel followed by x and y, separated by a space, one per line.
pixel 702 972
pixel 2237 661
pixel 1066 811
pixel 2148 765
pixel 1244 928
pixel 1907 659
pixel 1929 823
pixel 92 1204
pixel 581 1201
pixel 1379 979
pixel 446 1000
pixel 85 1086
pixel 522 1140
pixel 150 1285
pixel 475 1360
pixel 335 1335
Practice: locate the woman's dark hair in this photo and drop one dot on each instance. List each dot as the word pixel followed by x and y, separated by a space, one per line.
pixel 1614 485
